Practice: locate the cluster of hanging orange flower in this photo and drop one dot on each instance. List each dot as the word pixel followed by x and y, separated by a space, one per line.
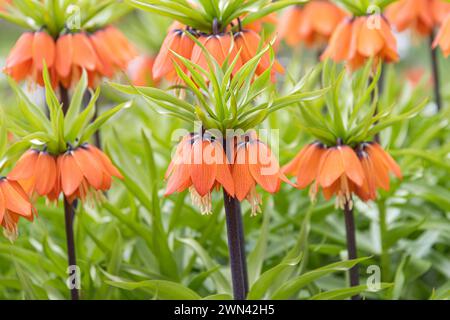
pixel 423 16
pixel 221 46
pixel 68 55
pixel 201 165
pixel 81 173
pixel 353 40
pixel 343 171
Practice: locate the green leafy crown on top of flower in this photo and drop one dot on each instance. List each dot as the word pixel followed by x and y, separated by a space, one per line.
pixel 58 16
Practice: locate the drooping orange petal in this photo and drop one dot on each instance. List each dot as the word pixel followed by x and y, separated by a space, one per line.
pixel 179 173
pixel 370 40
pixel 367 191
pixel 264 167
pixel 331 167
pixel 331 190
pixel 243 180
pixel 389 161
pixel 223 175
pixel 71 175
pixel 308 169
pixel 22 50
pixel 84 54
pixel 14 200
pixel 288 25
pixel 45 174
pixel 163 61
pixel 90 166
pixel 339 44
pixel 25 166
pixel 443 37
pixel 380 169
pixel 64 54
pixel 43 50
pixel 352 165
pixel 325 16
pixel 108 165
pixel 292 167
pixel 203 168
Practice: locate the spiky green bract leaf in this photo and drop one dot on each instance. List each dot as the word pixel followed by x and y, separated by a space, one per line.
pixel 224 98
pixel 57 16
pixel 33 127
pixel 364 7
pixel 351 110
pixel 201 15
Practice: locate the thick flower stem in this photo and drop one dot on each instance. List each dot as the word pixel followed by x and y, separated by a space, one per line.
pixel 435 71
pixel 351 246
pixel 236 247
pixel 69 211
pixel 69 214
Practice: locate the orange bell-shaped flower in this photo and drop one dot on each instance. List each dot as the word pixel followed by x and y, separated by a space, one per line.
pixel 36 171
pixel 376 164
pixel 14 204
pixel 443 37
pixel 85 172
pixel 200 165
pixel 176 41
pixel 359 39
pixel 305 166
pixel 254 164
pixel 340 171
pixel 420 15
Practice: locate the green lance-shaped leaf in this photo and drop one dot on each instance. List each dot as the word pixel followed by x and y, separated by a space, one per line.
pixel 162 289
pixel 76 102
pixel 293 286
pixel 222 284
pixel 75 128
pixel 95 126
pixel 262 285
pixel 341 294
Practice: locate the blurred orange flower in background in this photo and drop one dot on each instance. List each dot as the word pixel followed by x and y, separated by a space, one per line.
pixel 14 204
pixel 443 37
pixel 358 39
pixel 101 54
pixel 140 71
pixel 420 15
pixel 312 24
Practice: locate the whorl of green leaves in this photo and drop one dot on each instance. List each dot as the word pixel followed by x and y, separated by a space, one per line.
pixel 363 7
pixel 31 124
pixel 201 14
pixel 54 15
pixel 221 100
pixel 351 110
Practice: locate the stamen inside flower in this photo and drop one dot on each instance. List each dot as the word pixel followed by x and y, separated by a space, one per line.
pixel 203 203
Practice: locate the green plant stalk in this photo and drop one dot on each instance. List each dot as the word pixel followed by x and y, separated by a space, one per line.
pixel 69 211
pixel 385 259
pixel 236 246
pixel 435 72
pixel 351 246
